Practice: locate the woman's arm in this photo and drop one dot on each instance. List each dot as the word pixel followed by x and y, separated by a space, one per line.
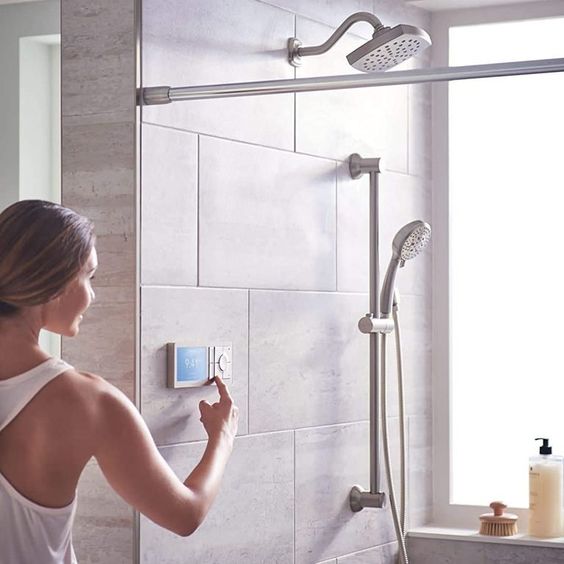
pixel 135 469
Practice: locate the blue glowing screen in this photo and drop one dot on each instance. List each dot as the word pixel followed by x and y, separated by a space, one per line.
pixel 191 364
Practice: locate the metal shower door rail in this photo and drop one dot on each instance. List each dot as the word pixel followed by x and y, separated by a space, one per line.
pixel 166 94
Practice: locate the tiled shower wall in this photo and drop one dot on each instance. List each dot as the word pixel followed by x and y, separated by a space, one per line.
pixel 253 233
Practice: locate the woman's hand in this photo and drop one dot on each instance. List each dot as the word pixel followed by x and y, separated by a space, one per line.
pixel 220 419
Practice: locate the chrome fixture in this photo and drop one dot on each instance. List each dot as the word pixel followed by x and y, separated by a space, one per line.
pixel 374 498
pixel 153 95
pixel 387 48
pixel 407 244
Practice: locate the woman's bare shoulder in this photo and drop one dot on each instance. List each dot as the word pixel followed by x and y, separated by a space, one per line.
pixel 92 388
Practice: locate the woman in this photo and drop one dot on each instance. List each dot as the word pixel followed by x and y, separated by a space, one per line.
pixel 54 418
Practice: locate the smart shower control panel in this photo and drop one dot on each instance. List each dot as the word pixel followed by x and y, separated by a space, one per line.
pixel 190 366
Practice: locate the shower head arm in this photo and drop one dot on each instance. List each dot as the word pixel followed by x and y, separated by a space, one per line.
pixel 295 51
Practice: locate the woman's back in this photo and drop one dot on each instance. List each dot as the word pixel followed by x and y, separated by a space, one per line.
pixel 44 449
pixel 46 438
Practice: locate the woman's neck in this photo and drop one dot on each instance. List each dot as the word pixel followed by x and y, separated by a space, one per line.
pixel 19 347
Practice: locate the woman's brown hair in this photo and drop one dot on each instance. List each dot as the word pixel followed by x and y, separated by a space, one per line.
pixel 43 246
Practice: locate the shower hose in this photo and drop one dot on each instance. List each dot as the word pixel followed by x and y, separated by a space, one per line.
pixel 398 518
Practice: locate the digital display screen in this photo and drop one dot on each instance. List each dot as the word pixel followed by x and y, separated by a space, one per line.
pixel 191 364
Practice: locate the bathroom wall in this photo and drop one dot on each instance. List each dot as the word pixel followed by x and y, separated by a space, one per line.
pixel 253 233
pixel 98 180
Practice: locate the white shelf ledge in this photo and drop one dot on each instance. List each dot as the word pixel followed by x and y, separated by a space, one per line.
pixel 444 533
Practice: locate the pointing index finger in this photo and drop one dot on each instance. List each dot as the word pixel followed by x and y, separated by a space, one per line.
pixel 222 388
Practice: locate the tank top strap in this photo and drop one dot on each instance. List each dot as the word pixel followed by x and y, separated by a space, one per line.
pixel 17 392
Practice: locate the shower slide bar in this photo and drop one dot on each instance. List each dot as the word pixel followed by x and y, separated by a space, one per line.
pixel 166 94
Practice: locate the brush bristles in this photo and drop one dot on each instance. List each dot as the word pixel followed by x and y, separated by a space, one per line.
pixel 498 529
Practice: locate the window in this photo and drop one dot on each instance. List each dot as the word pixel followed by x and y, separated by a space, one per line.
pixel 500 301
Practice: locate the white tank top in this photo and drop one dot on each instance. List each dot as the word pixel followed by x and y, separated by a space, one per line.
pixel 31 533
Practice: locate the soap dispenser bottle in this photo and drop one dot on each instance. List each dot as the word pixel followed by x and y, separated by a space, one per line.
pixel 545 493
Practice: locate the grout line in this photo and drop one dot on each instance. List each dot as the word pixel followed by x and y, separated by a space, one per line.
pixel 336 229
pixel 332 25
pixel 198 213
pixel 408 156
pixel 271 147
pixel 204 441
pixel 284 290
pixel 294 540
pixel 248 361
pixel 295 99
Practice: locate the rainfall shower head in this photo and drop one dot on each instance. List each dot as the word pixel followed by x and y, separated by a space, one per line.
pixel 409 241
pixel 389 47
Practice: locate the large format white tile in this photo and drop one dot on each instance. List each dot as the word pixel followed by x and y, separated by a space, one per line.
pixel 384 554
pixel 251 520
pixel 434 551
pixel 420 465
pixel 308 362
pixel 329 461
pixel 420 130
pixel 392 12
pixel 511 554
pixel 330 12
pixel 195 316
pixel 415 332
pixel 267 218
pixel 169 198
pixel 334 124
pixel 402 199
pixel 218 42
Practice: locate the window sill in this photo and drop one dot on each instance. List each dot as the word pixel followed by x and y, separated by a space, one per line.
pixel 472 536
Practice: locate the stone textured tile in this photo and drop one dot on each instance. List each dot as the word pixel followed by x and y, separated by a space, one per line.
pixel 402 199
pixel 329 461
pixel 514 554
pixel 385 554
pixel 103 336
pixel 420 130
pixel 98 170
pixel 393 12
pixel 218 42
pixel 267 226
pixel 169 202
pixel 330 12
pixel 101 514
pixel 251 520
pixel 198 316
pixel 415 332
pixel 98 76
pixel 308 362
pixel 438 551
pixel 370 121
pixel 420 465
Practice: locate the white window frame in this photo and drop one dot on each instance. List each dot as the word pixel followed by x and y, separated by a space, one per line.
pixel 446 514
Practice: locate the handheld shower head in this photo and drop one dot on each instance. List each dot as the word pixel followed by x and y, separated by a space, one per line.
pixel 409 241
pixel 389 47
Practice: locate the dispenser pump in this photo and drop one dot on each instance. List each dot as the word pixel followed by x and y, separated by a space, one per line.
pixel 544 449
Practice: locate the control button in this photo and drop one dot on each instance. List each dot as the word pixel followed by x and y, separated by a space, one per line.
pixel 222 362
